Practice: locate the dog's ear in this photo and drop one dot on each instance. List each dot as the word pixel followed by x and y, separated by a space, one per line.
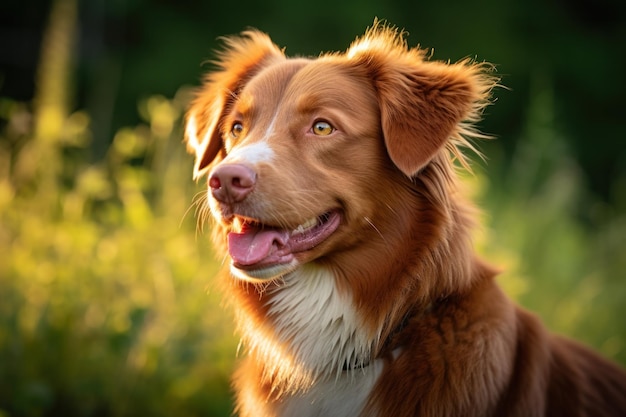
pixel 242 57
pixel 422 103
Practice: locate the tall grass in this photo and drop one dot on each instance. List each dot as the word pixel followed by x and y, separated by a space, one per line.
pixel 104 280
pixel 107 308
pixel 106 305
pixel 561 248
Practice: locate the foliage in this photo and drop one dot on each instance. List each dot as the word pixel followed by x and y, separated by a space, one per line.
pixel 103 279
pixel 561 249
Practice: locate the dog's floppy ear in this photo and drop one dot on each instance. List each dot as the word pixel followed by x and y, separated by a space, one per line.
pixel 422 103
pixel 242 57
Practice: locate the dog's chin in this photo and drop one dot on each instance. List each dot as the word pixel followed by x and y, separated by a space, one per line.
pixel 264 274
pixel 261 253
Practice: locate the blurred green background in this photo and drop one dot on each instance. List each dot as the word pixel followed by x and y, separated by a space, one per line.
pixel 107 300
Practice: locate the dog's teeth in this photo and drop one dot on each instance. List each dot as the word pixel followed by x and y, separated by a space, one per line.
pixel 305 226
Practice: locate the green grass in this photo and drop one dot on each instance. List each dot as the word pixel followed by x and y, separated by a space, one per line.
pixel 106 303
pixel 562 249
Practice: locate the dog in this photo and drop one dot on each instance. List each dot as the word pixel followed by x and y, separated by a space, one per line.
pixel 333 187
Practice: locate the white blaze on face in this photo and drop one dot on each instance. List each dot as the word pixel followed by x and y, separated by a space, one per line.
pixel 270 129
pixel 254 153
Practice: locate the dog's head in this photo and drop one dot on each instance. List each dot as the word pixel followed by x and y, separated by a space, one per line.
pixel 303 156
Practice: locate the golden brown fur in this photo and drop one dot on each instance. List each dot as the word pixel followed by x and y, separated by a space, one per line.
pixel 435 331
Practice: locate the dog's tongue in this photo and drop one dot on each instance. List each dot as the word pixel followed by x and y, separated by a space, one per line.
pixel 255 245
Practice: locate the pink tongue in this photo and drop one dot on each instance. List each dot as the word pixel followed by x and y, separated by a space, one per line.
pixel 252 246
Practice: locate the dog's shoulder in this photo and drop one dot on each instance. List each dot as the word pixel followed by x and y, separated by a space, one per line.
pixel 584 382
pixel 556 376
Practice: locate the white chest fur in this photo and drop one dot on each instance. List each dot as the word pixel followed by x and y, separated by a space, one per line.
pixel 313 334
pixel 344 396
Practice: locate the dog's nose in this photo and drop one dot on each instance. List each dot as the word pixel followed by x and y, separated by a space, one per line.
pixel 231 183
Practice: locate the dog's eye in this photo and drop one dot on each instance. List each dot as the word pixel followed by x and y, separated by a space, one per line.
pixel 322 128
pixel 236 130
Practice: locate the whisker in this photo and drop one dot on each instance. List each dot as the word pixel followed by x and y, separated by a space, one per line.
pixel 202 211
pixel 194 202
pixel 224 259
pixel 367 219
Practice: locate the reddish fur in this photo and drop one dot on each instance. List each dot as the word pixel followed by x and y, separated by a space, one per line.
pixel 404 249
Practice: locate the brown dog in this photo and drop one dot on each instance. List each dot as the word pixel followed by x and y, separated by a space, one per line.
pixel 356 291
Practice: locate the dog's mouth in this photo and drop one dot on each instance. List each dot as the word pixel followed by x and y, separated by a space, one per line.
pixel 261 252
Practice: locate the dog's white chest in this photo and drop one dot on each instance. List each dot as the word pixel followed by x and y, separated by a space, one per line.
pixel 345 396
pixel 317 332
pixel 321 328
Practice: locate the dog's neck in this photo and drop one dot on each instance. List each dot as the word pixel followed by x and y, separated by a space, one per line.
pixel 311 331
